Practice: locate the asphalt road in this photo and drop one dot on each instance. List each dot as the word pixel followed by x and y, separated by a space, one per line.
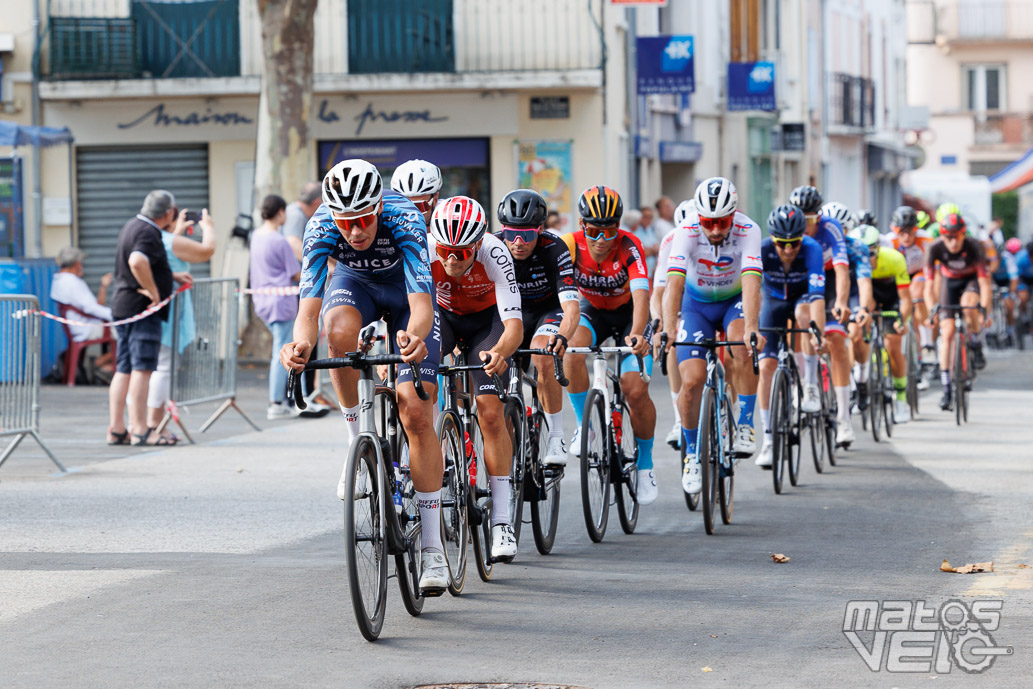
pixel 222 565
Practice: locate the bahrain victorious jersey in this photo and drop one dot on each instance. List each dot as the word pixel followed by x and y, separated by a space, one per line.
pixel 714 272
pixel 608 284
pixel 490 281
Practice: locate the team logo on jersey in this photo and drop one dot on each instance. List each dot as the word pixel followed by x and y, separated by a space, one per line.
pixel 817 280
pixel 721 265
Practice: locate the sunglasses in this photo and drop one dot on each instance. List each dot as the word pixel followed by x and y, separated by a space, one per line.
pixel 787 243
pixel 597 232
pixel 360 222
pixel 952 235
pixel 722 224
pixel 524 234
pixel 461 253
pixel 425 205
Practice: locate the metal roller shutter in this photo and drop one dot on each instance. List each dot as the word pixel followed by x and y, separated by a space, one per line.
pixel 112 183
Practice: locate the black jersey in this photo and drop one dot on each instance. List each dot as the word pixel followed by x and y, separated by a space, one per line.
pixel 546 277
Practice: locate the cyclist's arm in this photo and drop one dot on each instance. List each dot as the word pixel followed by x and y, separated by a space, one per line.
pixel 751 274
pixel 421 315
pixel 566 289
pixel 843 286
pixel 638 283
pixel 817 308
pixel 306 330
pixel 677 265
pixel 656 301
pixel 571 318
pixel 865 293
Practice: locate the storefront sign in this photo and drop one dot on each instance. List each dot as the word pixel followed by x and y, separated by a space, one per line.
pixel 550 107
pixel 680 151
pixel 751 86
pixel 545 167
pixel 388 154
pixel 665 64
pixel 159 117
pixel 372 114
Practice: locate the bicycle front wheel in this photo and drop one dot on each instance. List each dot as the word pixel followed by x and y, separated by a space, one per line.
pixel 516 426
pixel 479 505
pixel 875 393
pixel 829 411
pixel 455 523
pixel 779 428
pixel 708 450
pixel 958 375
pixel 545 511
pixel 726 485
pixel 627 458
pixel 595 467
pixel 365 536
pixel 912 372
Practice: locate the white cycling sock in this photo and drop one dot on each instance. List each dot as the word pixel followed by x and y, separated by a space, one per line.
pixel 866 369
pixel 555 424
pixel 674 403
pixel 765 420
pixel 843 400
pixel 430 519
pixel 351 418
pixel 925 335
pixel 501 491
pixel 810 369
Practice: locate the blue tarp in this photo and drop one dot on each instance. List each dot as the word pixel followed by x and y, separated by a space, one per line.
pixel 12 134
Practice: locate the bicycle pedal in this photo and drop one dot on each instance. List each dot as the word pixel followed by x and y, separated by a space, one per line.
pixel 433 592
pixel 501 560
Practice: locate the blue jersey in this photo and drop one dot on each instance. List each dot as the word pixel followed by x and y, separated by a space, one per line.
pixel 1007 269
pixel 398 252
pixel 833 243
pixel 860 266
pixel 806 275
pixel 1024 265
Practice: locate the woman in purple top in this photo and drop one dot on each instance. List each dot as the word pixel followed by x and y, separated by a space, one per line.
pixel 273 264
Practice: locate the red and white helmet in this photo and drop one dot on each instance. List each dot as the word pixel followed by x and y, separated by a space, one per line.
pixel 458 221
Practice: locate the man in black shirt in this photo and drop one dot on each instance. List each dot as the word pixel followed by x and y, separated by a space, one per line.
pixel 142 278
pixel 548 298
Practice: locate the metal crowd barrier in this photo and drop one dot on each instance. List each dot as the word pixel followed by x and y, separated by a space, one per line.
pixel 206 369
pixel 19 373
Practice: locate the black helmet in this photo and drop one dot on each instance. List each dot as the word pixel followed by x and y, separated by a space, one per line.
pixel 787 222
pixel 952 224
pixel 866 217
pixel 523 208
pixel 807 199
pixel 904 216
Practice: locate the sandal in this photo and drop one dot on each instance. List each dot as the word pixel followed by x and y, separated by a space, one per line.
pixel 119 438
pixel 162 441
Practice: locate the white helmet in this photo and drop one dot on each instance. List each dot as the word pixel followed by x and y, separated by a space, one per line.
pixel 716 198
pixel 458 221
pixel 351 186
pixel 684 210
pixel 416 178
pixel 840 212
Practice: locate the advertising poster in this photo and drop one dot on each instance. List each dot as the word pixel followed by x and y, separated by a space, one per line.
pixel 545 167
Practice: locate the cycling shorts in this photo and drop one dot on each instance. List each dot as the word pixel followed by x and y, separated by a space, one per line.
pixel 952 289
pixel 1025 284
pixel 473 333
pixel 776 313
pixel 886 295
pixel 616 323
pixel 544 322
pixel 701 320
pixel 376 300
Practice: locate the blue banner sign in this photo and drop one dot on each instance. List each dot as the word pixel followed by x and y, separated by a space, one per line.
pixel 751 86
pixel 665 64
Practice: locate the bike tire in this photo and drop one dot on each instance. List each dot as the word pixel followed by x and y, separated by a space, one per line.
pixel 545 511
pixel 595 466
pixel 958 376
pixel 875 392
pixel 627 460
pixel 407 563
pixel 888 401
pixel 779 428
pixel 481 503
pixel 365 523
pixel 707 450
pixel 829 410
pixel 726 484
pixel 691 501
pixel 454 514
pixel 516 425
pixel 912 374
pixel 795 434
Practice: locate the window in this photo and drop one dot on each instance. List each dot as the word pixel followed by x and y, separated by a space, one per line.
pixel 984 87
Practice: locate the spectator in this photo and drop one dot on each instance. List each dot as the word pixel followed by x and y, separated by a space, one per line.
pixel 554 222
pixel 630 220
pixel 298 214
pixel 273 264
pixel 69 288
pixel 647 234
pixel 143 278
pixel 665 209
pixel 181 251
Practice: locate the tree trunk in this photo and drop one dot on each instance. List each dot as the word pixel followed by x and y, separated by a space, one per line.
pixel 284 156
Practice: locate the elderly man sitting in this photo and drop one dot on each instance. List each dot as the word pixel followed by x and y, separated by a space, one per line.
pixel 69 288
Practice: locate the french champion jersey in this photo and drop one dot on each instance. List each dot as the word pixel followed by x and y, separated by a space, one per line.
pixel 804 278
pixel 714 272
pixel 490 281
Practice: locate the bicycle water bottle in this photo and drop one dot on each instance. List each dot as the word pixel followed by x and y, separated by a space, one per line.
pixel 397 492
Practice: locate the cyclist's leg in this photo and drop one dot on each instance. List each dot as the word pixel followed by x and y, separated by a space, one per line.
pixel 549 390
pixel 697 323
pixel 636 391
pixel 740 366
pixel 348 306
pixel 574 364
pixel 774 313
pixel 951 291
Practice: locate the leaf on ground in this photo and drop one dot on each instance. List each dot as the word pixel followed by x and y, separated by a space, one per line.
pixel 1023 566
pixel 779 557
pixel 713 636
pixel 969 568
pixel 707 669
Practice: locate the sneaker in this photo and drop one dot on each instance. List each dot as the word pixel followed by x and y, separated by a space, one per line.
pixel 844 432
pixel 928 357
pixel 313 409
pixel 767 453
pixel 674 436
pixel 503 543
pixel 862 397
pixel 945 401
pixel 978 358
pixel 647 491
pixel 692 476
pixel 555 452
pixel 575 442
pixel 434 572
pixel 744 440
pixel 811 400
pixel 901 412
pixel 279 410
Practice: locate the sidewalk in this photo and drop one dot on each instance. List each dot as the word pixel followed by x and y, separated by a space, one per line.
pixel 73 422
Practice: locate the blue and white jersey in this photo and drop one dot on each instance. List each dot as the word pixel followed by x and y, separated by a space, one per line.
pixel 805 279
pixel 398 253
pixel 860 265
pixel 1023 264
pixel 1007 268
pixel 833 242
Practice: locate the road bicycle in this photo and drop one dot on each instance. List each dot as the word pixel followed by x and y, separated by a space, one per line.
pixel 962 372
pixel 716 430
pixel 381 517
pixel 536 482
pixel 909 344
pixel 881 391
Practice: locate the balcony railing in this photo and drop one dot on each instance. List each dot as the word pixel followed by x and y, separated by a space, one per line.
pixel 985 20
pixel 851 101
pixel 1004 128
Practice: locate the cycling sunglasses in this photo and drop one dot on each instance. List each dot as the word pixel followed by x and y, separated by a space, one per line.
pixel 424 205
pixel 360 222
pixel 461 253
pixel 722 224
pixel 597 232
pixel 524 234
pixel 787 243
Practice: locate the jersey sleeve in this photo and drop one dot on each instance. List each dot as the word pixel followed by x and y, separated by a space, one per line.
pixel 1010 266
pixel 561 268
pixel 678 256
pixel 859 263
pixel 319 244
pixel 751 261
pixel 660 276
pixel 815 262
pixel 930 260
pixel 410 232
pixel 638 274
pixel 982 264
pixel 498 266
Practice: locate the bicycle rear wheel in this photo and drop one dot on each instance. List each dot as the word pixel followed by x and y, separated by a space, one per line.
pixel 365 536
pixel 889 396
pixel 708 451
pixel 627 461
pixel 480 505
pixel 516 425
pixel 455 532
pixel 912 372
pixel 875 393
pixel 726 474
pixel 779 428
pixel 595 467
pixel 545 511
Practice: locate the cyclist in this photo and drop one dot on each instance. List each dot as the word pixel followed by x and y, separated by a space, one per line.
pixel 864 217
pixel 379 241
pixel 942 211
pixel 891 291
pixel 1024 265
pixel 839 212
pixel 713 283
pixel 965 282
pixel 420 182
pixel 1007 279
pixel 479 303
pixel 914 244
pixel 794 289
pixel 923 220
pixel 611 276
pixel 829 233
pixel 683 215
pixel 548 298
